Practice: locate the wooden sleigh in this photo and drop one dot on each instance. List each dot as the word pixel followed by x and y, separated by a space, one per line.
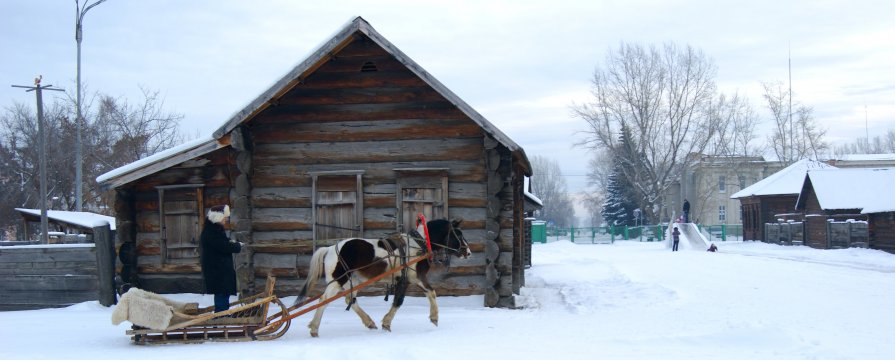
pixel 247 319
pixel 244 321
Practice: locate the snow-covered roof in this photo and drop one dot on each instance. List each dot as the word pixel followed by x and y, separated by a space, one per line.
pixel 82 219
pixel 786 181
pixel 868 189
pixel 865 157
pixel 534 198
pixel 158 161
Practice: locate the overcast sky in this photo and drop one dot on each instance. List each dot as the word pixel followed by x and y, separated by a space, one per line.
pixel 521 64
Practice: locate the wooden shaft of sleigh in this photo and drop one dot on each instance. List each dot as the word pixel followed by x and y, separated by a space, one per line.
pixel 341 293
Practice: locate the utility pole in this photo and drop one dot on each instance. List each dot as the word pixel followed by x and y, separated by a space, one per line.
pixel 79 159
pixel 866 128
pixel 42 154
pixel 792 134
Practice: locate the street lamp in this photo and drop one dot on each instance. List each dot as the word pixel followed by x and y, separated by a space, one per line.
pixel 638 222
pixel 80 10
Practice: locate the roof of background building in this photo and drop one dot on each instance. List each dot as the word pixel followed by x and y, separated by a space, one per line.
pixel 868 189
pixel 787 181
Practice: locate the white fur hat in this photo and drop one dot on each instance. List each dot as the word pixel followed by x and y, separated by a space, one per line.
pixel 217 213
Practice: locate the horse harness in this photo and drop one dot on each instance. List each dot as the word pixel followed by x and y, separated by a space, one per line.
pixel 398 285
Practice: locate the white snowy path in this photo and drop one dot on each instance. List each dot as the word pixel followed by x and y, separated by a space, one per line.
pixel 627 300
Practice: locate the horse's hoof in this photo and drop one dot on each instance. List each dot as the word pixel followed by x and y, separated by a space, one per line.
pixel 434 321
pixel 313 334
pixel 387 328
pixel 372 327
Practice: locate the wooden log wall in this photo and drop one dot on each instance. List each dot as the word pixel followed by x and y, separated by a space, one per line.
pixel 242 211
pixel 216 171
pixel 34 277
pixel 882 231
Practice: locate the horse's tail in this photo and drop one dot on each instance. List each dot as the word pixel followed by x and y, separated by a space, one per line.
pixel 314 272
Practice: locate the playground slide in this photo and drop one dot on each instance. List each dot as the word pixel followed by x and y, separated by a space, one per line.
pixel 691 237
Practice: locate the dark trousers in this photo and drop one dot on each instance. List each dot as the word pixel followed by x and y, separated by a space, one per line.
pixel 221 302
pixel 687 216
pixel 674 247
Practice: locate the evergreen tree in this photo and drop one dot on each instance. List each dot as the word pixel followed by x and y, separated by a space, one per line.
pixel 620 195
pixel 619 206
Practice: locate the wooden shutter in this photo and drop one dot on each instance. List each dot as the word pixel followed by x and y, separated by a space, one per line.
pixel 181 212
pixel 338 206
pixel 421 191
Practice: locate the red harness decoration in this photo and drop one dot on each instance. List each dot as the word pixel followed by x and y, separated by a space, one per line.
pixel 421 219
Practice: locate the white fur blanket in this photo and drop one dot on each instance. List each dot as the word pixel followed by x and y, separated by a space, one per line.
pixel 147 309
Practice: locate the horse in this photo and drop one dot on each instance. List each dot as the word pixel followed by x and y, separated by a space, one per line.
pixel 354 260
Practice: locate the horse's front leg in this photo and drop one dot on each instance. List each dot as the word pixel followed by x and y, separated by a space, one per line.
pixel 433 306
pixel 430 294
pixel 400 291
pixel 387 319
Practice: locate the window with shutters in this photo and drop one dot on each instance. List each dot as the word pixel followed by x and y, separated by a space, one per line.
pixel 338 205
pixel 421 191
pixel 180 222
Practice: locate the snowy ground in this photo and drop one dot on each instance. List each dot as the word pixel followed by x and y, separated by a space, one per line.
pixel 627 300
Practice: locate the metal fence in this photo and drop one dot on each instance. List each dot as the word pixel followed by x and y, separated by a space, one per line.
pixel 609 234
pixel 723 232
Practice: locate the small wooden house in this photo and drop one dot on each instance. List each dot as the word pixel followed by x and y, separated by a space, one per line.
pixel 762 202
pixel 65 226
pixel 353 142
pixel 849 207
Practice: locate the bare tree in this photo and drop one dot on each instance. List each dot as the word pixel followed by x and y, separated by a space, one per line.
pixel 548 184
pixel 593 202
pixel 796 134
pixel 123 133
pixel 592 199
pixel 665 97
pixel 737 122
pixel 119 134
pixel 881 144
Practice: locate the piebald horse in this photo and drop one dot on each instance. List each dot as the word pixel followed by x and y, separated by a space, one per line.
pixel 352 261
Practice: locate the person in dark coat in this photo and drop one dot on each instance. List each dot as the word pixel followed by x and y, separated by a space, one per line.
pixel 686 211
pixel 217 257
pixel 676 238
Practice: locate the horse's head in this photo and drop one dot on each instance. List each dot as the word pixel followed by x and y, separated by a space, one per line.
pixel 457 241
pixel 447 238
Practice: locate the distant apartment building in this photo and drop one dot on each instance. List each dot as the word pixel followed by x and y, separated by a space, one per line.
pixel 709 182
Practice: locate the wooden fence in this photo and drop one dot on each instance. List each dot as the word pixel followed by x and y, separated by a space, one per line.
pixel 44 276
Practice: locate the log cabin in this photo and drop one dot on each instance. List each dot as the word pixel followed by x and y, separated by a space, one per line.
pixel 851 207
pixel 354 141
pixel 772 197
